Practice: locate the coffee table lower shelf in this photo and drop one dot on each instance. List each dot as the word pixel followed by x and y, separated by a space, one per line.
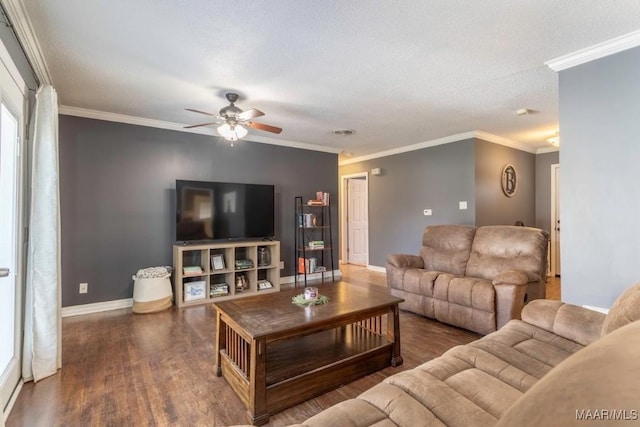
pixel 300 368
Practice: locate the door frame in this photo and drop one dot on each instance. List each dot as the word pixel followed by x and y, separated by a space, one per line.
pixel 344 200
pixel 18 108
pixel 554 267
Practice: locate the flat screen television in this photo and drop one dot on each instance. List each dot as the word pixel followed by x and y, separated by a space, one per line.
pixel 217 211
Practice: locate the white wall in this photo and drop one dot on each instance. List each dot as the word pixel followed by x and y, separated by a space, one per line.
pixel 600 178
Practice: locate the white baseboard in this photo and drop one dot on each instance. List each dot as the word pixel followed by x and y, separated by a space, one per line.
pixel 376 268
pixel 312 276
pixel 12 401
pixel 599 309
pixel 77 310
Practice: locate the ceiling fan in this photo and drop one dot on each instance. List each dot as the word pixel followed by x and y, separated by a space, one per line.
pixel 233 120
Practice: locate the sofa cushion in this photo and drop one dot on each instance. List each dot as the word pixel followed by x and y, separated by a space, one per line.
pixel 465 291
pixel 415 303
pixel 473 384
pixel 527 348
pixel 419 281
pixel 596 386
pixel 465 302
pixel 350 413
pixel 625 309
pixel 446 247
pixel 566 320
pixel 499 248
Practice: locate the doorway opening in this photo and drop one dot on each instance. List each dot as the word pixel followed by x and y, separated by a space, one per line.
pixel 554 244
pixel 354 214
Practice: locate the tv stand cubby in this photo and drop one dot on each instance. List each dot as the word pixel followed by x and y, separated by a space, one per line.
pixel 201 271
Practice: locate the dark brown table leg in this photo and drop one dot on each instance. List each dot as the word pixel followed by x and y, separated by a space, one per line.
pixel 393 334
pixel 258 414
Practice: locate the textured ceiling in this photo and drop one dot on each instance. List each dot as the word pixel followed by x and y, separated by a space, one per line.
pixel 397 72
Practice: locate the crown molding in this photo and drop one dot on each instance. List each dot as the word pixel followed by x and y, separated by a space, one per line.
pixel 141 121
pixel 594 52
pixel 544 150
pixel 503 141
pixel 441 141
pixel 292 144
pixel 413 147
pixel 26 35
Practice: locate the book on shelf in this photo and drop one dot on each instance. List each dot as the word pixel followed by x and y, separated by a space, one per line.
pixel 195 269
pixel 316 244
pixel 243 264
pixel 322 199
pixel 306 220
pixel 307 265
pixel 219 290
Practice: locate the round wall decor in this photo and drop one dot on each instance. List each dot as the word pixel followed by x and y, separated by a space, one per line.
pixel 509 180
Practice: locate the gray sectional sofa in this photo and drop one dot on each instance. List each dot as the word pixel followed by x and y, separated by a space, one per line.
pixel 477 278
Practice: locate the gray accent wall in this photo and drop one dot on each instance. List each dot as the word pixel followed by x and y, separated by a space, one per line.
pixel 543 188
pixel 434 178
pixel 599 191
pixel 118 196
pixel 438 178
pixel 492 206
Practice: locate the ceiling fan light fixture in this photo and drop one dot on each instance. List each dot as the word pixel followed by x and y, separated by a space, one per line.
pixel 232 133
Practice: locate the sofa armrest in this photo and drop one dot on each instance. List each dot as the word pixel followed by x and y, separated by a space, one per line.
pixel 510 277
pixel 511 291
pixel 405 261
pixel 567 320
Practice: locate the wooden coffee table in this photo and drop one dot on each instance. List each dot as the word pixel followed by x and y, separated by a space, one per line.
pixel 275 354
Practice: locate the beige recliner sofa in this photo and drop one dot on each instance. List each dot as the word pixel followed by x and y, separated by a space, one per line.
pixel 477 278
pixel 561 365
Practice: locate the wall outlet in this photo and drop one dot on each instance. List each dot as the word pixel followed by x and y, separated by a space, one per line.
pixel 427 212
pixel 462 205
pixel 281 265
pixel 84 287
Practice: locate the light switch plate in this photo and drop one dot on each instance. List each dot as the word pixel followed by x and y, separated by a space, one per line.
pixel 463 205
pixel 427 212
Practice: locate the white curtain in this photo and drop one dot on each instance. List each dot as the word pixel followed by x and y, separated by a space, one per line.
pixel 42 334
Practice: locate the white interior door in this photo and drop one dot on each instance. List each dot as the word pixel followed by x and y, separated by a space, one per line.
pixel 555 220
pixel 12 92
pixel 357 222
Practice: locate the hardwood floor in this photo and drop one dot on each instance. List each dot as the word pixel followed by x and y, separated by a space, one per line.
pixel 124 369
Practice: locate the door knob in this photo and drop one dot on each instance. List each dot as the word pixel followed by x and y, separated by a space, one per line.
pixel 4 272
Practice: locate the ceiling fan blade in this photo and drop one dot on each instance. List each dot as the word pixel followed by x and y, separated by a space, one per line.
pixel 201 112
pixel 201 124
pixel 250 114
pixel 262 126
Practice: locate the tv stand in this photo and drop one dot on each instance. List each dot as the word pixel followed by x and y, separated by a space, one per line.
pixel 201 271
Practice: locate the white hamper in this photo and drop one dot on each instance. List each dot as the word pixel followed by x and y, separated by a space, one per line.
pixel 152 290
